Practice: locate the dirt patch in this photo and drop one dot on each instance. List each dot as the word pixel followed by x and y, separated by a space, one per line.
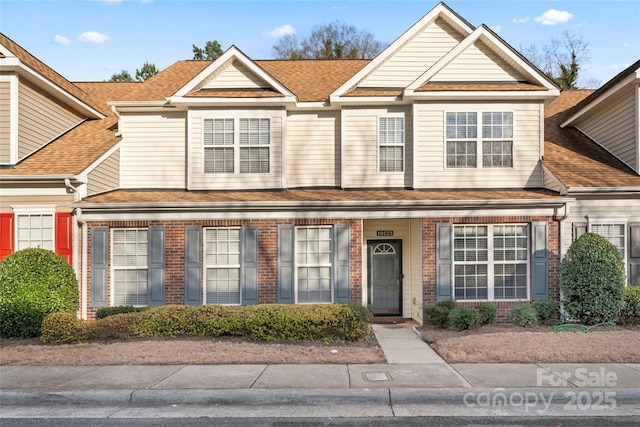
pixel 187 351
pixel 514 344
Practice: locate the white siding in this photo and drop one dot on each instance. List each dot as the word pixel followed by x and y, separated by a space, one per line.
pixel 550 181
pixel 430 141
pixel 361 150
pixel 235 181
pixel 478 63
pixel 313 149
pixel 5 135
pixel 152 151
pixel 40 120
pixel 415 57
pixel 105 176
pixel 613 125
pixel 235 76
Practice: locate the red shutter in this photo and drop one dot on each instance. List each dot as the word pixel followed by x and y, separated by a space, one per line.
pixel 7 238
pixel 64 235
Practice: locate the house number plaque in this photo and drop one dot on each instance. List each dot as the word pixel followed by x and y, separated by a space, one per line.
pixel 384 233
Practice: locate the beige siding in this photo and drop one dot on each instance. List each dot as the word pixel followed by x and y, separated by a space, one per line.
pixel 236 76
pixel 5 135
pixel 613 125
pixel 478 63
pixel 235 181
pixel 62 203
pixel 362 153
pixel 105 176
pixel 415 57
pixel 313 149
pixel 550 181
pixel 430 141
pixel 40 119
pixel 152 151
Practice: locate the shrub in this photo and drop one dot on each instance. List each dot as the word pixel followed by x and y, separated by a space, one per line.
pixel 438 314
pixel 487 312
pixel 33 283
pixel 464 318
pixel 592 280
pixel 523 315
pixel 546 309
pixel 630 313
pixel 119 326
pixel 110 311
pixel 63 327
pixel 363 312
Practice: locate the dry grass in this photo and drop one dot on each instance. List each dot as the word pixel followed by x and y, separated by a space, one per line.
pixel 540 345
pixel 186 351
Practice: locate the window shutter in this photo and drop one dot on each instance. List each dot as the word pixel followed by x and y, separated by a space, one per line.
pixel 286 258
pixel 341 263
pixel 444 261
pixel 579 228
pixel 634 254
pixel 192 265
pixel 156 265
pixel 99 266
pixel 249 265
pixel 64 235
pixel 7 236
pixel 540 263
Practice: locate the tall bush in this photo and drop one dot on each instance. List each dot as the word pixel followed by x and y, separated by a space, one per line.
pixel 592 280
pixel 33 283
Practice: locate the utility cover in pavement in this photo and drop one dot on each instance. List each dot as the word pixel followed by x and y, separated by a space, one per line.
pixel 376 376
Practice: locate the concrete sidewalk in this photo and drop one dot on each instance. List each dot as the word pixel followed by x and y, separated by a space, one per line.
pixel 415 381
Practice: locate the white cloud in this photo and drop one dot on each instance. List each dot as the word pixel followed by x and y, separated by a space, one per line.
pixel 496 28
pixel 61 39
pixel 92 37
pixel 553 17
pixel 627 45
pixel 284 30
pixel 521 20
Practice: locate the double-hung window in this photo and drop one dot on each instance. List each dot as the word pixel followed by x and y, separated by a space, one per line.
pixel 222 265
pixel 313 264
pixel 490 262
pixel 391 143
pixel 614 233
pixel 130 267
pixel 467 148
pixel 236 145
pixel 35 228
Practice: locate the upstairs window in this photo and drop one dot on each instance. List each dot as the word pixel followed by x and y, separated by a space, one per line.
pixel 236 145
pixel 391 144
pixel 466 148
pixel 35 227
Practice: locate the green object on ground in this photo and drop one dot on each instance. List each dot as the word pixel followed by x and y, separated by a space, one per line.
pixel 574 327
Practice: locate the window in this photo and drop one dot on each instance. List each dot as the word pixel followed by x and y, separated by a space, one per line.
pixel 222 265
pixel 313 264
pixel 614 233
pixel 462 139
pixel 231 147
pixel 490 262
pixel 34 230
pixel 130 267
pixel 391 143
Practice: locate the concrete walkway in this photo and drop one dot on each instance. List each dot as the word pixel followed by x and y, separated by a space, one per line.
pixel 401 344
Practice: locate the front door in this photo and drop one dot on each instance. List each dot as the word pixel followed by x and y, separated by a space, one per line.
pixel 385 277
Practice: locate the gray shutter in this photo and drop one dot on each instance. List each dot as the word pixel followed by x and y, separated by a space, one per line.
pixel 341 263
pixel 634 254
pixel 193 265
pixel 286 257
pixel 99 266
pixel 156 265
pixel 540 261
pixel 579 228
pixel 444 261
pixel 249 265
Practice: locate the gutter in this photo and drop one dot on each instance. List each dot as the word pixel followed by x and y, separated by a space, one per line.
pixel 602 190
pixel 35 178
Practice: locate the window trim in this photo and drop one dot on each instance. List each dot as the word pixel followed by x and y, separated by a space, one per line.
pixel 206 266
pixel 379 144
pixel 237 146
pixel 479 139
pixel 112 266
pixel 33 210
pixel 297 265
pixel 491 262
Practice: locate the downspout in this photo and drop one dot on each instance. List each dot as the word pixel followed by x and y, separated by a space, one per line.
pixel 79 266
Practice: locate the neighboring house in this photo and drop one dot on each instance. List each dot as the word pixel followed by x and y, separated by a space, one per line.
pixel 446 167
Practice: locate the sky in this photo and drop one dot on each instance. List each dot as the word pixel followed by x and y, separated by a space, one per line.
pixel 90 40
